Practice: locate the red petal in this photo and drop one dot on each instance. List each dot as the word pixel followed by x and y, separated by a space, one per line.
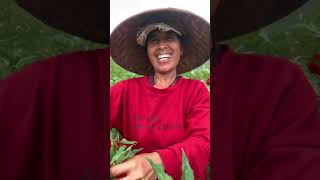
pixel 208 81
pixel 313 67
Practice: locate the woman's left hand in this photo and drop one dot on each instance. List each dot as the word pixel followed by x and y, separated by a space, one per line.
pixel 137 167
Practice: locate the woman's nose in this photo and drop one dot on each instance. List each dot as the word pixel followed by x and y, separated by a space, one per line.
pixel 162 44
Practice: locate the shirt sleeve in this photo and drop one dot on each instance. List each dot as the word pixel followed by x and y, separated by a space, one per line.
pixel 197 143
pixel 292 148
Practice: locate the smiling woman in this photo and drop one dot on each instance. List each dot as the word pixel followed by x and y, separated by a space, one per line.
pixel 161 44
pixel 164 51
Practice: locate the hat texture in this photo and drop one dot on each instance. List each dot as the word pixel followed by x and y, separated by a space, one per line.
pixel 144 33
pixel 86 19
pixel 236 17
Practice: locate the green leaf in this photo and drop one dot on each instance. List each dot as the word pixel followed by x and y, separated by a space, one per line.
pixel 126 152
pixel 115 135
pixel 187 172
pixel 159 170
pixel 112 151
pixel 122 158
pixel 119 150
pixel 124 141
pixel 119 153
pixel 130 154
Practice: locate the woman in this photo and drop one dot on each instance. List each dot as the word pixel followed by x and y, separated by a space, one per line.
pixel 162 111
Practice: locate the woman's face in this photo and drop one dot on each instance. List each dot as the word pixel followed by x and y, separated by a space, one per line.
pixel 164 51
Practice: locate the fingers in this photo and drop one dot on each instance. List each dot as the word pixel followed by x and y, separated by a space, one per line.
pixel 137 176
pixel 151 176
pixel 134 169
pixel 130 177
pixel 120 169
pixel 126 178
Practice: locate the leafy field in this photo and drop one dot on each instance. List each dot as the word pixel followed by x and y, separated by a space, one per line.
pixel 117 73
pixel 23 39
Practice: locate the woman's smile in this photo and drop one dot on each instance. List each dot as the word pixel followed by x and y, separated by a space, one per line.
pixel 164 57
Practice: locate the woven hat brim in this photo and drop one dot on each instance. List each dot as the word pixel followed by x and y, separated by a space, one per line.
pixel 235 18
pixel 85 19
pixel 128 54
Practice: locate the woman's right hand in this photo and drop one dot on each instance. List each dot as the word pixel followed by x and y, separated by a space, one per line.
pixel 136 168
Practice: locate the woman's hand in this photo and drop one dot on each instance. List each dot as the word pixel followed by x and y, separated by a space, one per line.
pixel 137 167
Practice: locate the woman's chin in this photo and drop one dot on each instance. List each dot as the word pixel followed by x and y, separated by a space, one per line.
pixel 164 70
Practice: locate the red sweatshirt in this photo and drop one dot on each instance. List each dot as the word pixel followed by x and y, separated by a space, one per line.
pixel 265 122
pixel 165 120
pixel 53 119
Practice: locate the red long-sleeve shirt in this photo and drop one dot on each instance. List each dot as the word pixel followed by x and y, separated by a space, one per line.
pixel 53 117
pixel 165 120
pixel 265 121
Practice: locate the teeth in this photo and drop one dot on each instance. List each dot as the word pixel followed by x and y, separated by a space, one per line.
pixel 164 56
pixel 164 59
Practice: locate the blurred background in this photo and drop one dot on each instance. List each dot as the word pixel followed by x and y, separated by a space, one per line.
pixel 23 40
pixel 296 37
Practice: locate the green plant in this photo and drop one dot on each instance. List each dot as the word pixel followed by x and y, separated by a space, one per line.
pixel 121 149
pixel 159 171
pixel 187 172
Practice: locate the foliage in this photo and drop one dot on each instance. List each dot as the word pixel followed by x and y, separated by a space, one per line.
pixel 159 171
pixel 121 149
pixel 187 172
pixel 117 73
pixel 24 39
pixel 295 37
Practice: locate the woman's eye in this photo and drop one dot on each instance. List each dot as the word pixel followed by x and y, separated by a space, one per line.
pixel 170 38
pixel 153 40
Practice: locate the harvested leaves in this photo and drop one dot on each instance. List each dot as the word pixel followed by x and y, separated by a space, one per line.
pixel 159 171
pixel 121 149
pixel 187 172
